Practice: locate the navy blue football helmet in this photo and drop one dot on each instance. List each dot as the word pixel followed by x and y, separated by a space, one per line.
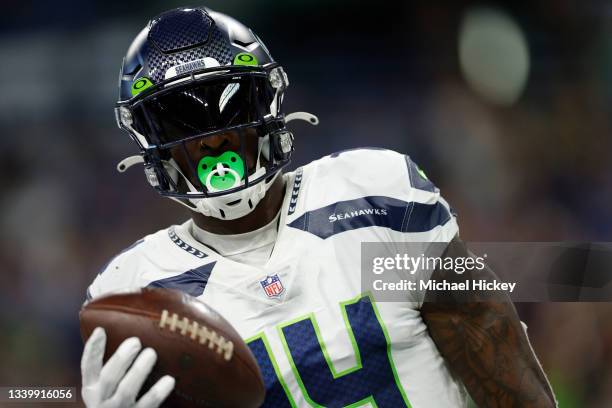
pixel 202 97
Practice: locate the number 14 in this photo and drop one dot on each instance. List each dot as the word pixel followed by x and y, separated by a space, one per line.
pixel 372 380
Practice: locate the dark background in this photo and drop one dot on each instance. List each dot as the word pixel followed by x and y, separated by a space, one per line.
pixel 532 166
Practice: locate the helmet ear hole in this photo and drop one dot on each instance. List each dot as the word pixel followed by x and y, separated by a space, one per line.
pixel 282 145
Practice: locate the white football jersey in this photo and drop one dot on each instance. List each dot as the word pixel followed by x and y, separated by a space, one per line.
pixel 319 340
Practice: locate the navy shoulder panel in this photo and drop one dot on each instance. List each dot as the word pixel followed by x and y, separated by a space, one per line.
pixel 191 282
pixel 417 177
pixel 372 211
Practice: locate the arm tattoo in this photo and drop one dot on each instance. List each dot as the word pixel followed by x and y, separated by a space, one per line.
pixel 481 338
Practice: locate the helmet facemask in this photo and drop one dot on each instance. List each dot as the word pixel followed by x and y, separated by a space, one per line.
pixel 214 141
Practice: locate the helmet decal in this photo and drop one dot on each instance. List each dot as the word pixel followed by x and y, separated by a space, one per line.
pixel 245 58
pixel 140 85
pixel 222 172
pixel 206 62
pixel 230 90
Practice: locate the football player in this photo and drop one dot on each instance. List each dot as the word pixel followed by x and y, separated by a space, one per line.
pixel 278 254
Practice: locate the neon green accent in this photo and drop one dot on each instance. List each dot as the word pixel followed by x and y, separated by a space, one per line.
pixel 229 160
pixel 361 403
pixel 245 58
pixel 336 374
pixel 386 333
pixel 140 85
pixel 422 173
pixel 277 371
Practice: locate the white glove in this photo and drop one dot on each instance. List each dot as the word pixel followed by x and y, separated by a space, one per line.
pixel 114 386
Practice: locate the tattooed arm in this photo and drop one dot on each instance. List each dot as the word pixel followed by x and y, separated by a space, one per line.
pixel 482 339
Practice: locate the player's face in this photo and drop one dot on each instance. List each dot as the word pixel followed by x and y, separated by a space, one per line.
pixel 180 116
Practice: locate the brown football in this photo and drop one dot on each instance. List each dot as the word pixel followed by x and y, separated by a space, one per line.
pixel 212 365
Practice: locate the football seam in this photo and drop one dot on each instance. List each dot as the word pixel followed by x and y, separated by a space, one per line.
pixel 183 334
pixel 197 332
pixel 157 316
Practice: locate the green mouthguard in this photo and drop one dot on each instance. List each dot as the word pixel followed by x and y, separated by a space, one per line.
pixel 213 177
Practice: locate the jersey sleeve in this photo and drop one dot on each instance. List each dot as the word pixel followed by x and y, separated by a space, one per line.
pixel 414 209
pixel 380 191
pixel 430 208
pixel 433 210
pixel 417 220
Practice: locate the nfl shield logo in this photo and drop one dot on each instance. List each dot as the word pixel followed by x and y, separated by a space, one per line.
pixel 272 286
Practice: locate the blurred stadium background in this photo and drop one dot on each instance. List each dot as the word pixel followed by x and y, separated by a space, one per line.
pixel 506 106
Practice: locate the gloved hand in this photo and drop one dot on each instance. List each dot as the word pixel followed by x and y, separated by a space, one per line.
pixel 113 385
